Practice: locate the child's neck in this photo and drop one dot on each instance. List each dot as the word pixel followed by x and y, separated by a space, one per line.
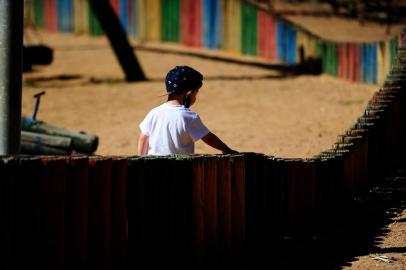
pixel 175 101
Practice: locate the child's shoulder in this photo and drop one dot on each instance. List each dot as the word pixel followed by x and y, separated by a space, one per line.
pixel 157 108
pixel 187 113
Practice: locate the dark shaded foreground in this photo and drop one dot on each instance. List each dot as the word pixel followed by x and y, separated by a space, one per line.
pixel 351 230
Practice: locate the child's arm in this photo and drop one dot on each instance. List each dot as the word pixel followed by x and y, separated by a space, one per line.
pixel 143 144
pixel 215 142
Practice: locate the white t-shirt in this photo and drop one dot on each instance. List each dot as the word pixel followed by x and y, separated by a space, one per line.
pixel 172 129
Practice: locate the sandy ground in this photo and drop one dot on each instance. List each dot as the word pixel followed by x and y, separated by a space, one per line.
pixel 246 106
pixel 243 105
pixel 392 247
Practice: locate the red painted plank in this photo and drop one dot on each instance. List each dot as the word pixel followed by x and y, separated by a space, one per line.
pixel 356 62
pixel 191 22
pixel 115 4
pixel 51 23
pixel 351 67
pixel 266 35
pixel 353 62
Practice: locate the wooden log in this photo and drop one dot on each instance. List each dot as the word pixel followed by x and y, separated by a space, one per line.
pixel 99 212
pixel 238 205
pixel 198 209
pixel 37 149
pixel 81 142
pixel 20 212
pixel 158 209
pixel 276 181
pixel 210 211
pixel 8 169
pixel 266 198
pixel 322 181
pixel 53 212
pixel 264 195
pixel 137 223
pixel 181 211
pixel 119 219
pixel 77 205
pixel 29 183
pixel 224 207
pixel 253 198
pixel 47 140
pixel 308 193
pixel 292 183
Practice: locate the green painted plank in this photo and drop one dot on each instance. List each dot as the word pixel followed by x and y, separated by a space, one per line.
pixel 249 31
pixel 94 25
pixel 170 28
pixel 39 13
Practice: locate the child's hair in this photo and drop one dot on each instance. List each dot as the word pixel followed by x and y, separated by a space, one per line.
pixel 181 79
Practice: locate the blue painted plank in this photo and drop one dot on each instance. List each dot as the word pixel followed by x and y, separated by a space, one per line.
pixel 363 62
pixel 280 39
pixel 374 57
pixel 212 27
pixel 291 45
pixel 369 64
pixel 286 43
pixel 65 15
pixel 123 10
pixel 133 18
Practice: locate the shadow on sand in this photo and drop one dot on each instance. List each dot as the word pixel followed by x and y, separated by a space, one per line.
pixel 311 66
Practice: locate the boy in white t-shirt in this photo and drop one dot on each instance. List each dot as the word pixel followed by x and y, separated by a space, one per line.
pixel 172 128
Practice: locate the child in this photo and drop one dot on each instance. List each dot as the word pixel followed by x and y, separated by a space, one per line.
pixel 172 128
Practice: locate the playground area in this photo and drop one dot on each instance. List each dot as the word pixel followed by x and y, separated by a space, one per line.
pixel 252 109
pixel 252 105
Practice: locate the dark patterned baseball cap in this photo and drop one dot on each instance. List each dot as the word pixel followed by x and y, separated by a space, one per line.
pixel 182 78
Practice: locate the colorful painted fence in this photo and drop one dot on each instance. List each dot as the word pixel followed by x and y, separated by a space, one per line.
pixel 231 25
